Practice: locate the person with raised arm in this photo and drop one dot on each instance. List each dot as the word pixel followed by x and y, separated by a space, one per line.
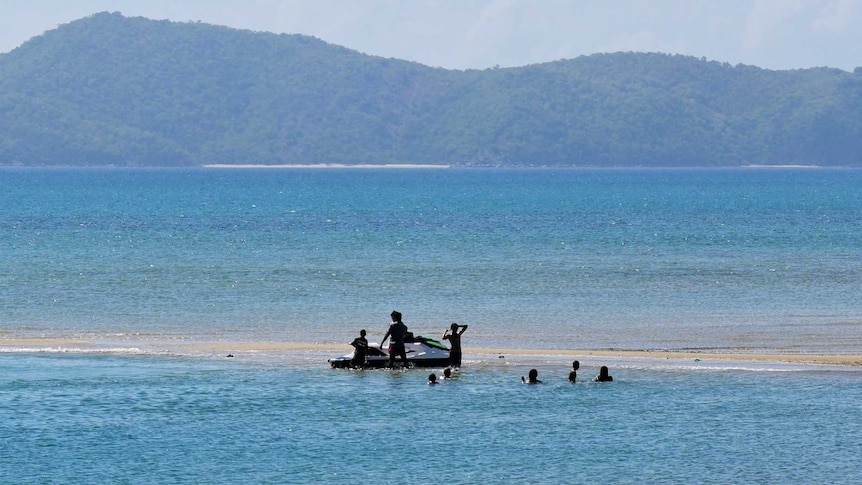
pixel 453 335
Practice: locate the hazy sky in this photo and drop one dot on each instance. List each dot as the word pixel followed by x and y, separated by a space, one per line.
pixel 461 34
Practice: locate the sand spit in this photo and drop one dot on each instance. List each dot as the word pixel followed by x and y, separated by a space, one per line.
pixel 832 359
pixel 327 165
pixel 10 344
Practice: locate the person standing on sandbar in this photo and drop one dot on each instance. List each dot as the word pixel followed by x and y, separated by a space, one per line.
pixel 397 331
pixel 453 335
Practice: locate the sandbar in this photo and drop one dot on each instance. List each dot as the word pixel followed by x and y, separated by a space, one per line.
pixel 44 342
pixel 326 165
pixel 338 349
pixel 832 359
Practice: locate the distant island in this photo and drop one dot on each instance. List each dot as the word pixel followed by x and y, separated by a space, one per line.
pixel 109 90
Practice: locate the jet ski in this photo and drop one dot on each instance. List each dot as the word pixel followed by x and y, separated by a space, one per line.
pixel 421 352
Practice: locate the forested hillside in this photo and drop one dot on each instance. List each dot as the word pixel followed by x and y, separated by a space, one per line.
pixel 112 90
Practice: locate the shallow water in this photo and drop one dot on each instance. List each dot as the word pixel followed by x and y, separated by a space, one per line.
pixel 155 419
pixel 114 282
pixel 727 259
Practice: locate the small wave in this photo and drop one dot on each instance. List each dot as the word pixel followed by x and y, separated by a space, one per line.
pixel 76 350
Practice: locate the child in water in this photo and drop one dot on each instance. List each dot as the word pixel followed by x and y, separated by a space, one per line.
pixel 603 375
pixel 533 377
pixel 573 374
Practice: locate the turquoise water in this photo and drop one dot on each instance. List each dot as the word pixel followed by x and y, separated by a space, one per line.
pixel 142 264
pixel 155 419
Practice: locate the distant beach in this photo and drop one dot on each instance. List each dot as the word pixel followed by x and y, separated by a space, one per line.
pixel 327 165
pixel 780 166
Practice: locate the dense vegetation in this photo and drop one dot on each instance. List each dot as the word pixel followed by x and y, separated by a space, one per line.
pixel 111 90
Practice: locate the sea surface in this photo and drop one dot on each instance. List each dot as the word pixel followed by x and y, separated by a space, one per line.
pixel 122 291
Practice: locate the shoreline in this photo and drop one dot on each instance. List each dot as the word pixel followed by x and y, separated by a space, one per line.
pixel 826 359
pixel 252 347
pixel 833 359
pixel 325 165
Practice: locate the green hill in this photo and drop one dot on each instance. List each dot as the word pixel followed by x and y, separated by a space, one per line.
pixel 111 90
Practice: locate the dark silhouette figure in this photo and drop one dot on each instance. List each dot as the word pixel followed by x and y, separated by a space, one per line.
pixel 453 335
pixel 533 377
pixel 573 374
pixel 603 375
pixel 360 346
pixel 397 331
pixel 432 379
pixel 447 373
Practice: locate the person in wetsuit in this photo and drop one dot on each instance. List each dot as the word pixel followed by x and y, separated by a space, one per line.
pixel 397 332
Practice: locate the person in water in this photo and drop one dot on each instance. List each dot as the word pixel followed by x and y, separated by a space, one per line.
pixel 447 373
pixel 432 379
pixel 533 377
pixel 603 375
pixel 453 335
pixel 360 346
pixel 397 331
pixel 573 374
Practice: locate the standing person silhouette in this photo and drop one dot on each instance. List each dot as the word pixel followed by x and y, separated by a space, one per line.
pixel 453 335
pixel 397 331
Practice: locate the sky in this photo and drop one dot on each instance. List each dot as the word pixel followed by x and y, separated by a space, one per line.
pixel 477 34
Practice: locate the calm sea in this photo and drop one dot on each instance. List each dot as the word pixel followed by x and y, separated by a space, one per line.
pixel 148 267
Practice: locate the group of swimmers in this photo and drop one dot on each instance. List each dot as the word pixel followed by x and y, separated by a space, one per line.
pixel 533 375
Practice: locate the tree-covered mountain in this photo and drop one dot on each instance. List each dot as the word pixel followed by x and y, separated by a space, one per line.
pixel 112 90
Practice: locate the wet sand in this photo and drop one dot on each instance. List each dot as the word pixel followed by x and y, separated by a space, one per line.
pixel 11 344
pixel 326 165
pixel 832 359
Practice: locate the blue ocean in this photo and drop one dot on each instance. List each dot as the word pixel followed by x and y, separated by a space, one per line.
pixel 123 292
